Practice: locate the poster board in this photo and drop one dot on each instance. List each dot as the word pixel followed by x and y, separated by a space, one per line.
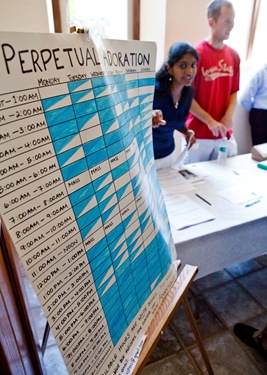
pixel 79 193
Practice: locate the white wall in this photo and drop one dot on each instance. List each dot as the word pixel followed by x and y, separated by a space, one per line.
pixel 153 25
pixel 24 15
pixel 241 124
pixel 168 21
pixel 186 21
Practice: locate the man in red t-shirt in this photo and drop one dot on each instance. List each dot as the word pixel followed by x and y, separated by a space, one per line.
pixel 216 85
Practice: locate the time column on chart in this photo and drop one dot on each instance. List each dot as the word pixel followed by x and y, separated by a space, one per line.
pixel 35 206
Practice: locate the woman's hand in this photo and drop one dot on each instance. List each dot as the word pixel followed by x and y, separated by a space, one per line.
pixel 190 139
pixel 157 118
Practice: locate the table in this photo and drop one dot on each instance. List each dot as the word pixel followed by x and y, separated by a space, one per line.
pixel 238 233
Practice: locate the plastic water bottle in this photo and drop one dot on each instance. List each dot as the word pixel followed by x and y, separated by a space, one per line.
pixel 223 151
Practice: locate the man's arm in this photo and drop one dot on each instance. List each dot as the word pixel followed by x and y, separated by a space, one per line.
pixel 227 119
pixel 214 126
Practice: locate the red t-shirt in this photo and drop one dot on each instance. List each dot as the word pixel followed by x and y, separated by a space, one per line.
pixel 216 79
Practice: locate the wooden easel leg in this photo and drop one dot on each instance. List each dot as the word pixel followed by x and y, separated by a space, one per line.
pixel 196 311
pixel 195 331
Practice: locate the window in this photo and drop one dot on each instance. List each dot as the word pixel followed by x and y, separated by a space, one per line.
pixel 104 18
pixel 239 37
pixel 259 51
pixel 243 34
pixel 113 19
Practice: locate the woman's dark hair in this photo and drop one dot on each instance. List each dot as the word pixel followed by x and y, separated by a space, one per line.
pixel 176 52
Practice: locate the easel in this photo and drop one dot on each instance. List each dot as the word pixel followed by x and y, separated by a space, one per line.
pixel 174 298
pixel 18 336
pixel 169 305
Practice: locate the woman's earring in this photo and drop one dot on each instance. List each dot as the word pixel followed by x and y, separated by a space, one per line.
pixel 170 78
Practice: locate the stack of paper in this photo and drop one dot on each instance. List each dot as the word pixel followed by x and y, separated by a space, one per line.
pixel 259 152
pixel 173 182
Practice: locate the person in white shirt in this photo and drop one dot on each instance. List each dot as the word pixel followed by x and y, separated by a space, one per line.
pixel 254 100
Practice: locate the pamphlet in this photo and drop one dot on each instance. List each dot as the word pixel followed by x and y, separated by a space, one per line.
pixel 190 176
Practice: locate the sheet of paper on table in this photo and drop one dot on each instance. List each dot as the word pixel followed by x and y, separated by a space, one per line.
pixel 239 194
pixel 250 179
pixel 184 213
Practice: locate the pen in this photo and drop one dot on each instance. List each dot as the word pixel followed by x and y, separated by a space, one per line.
pixel 251 204
pixel 203 199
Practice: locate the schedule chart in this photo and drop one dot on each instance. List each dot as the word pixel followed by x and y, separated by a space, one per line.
pixel 79 193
